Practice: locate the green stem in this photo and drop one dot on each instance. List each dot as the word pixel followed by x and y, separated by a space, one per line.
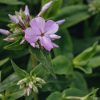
pixel 35 96
pixel 47 63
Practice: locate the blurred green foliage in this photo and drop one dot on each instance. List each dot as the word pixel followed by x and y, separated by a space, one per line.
pixel 76 62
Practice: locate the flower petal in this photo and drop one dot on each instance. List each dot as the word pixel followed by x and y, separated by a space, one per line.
pixel 40 23
pixel 32 44
pixel 30 36
pixel 51 27
pixel 54 36
pixel 35 26
pixel 55 45
pixel 46 43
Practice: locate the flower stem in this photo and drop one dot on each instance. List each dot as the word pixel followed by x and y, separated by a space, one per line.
pixel 47 63
pixel 35 96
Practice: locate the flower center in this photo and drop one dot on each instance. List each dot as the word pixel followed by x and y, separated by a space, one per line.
pixel 42 34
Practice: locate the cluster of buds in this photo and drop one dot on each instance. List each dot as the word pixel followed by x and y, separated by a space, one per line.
pixel 94 6
pixel 21 18
pixel 37 31
pixel 31 84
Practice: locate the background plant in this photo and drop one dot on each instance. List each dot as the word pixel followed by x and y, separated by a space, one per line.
pixel 75 63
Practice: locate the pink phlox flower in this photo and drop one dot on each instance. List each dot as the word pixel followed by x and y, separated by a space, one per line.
pixel 42 33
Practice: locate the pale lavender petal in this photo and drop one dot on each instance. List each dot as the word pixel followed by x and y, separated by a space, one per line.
pixel 30 36
pixel 32 44
pixel 55 45
pixel 51 27
pixel 41 23
pixel 13 19
pixel 60 21
pixel 27 13
pixel 35 27
pixel 46 43
pixel 45 7
pixel 4 32
pixel 35 45
pixel 54 36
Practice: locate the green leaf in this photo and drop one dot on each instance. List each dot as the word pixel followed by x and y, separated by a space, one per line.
pixel 73 2
pixel 11 2
pixel 71 10
pixel 20 72
pixel 8 82
pixel 55 96
pixel 82 59
pixel 31 63
pixel 76 80
pixel 94 62
pixel 0 76
pixel 73 15
pixel 73 92
pixel 2 62
pixel 14 46
pixel 75 19
pixel 39 71
pixel 16 95
pixel 56 5
pixel 62 65
pixel 76 94
pixel 65 45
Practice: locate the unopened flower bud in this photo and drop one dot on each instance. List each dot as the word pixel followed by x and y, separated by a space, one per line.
pixel 41 81
pixel 45 7
pixel 4 32
pixel 9 39
pixel 60 21
pixel 35 89
pixel 30 84
pixel 14 19
pixel 20 19
pixel 27 13
pixel 27 91
pixel 22 81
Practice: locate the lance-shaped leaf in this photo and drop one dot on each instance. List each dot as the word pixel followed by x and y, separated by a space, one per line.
pixel 2 62
pixel 20 72
pixel 94 62
pixel 55 96
pixel 8 82
pixel 16 95
pixel 61 66
pixel 83 58
pixel 11 2
pixel 14 46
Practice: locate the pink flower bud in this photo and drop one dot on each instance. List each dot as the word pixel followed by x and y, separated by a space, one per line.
pixel 4 32
pixel 13 19
pixel 45 7
pixel 27 13
pixel 60 21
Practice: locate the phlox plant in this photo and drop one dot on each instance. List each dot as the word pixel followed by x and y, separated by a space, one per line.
pixel 41 43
